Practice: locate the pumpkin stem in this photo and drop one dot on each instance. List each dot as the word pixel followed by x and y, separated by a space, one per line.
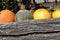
pixel 22 7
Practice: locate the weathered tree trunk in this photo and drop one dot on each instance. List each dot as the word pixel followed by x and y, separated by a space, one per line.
pixel 48 29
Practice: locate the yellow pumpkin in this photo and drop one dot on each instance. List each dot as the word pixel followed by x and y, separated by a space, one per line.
pixel 41 14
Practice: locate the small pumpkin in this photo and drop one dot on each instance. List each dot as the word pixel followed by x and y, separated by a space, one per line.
pixel 6 16
pixel 41 14
pixel 23 15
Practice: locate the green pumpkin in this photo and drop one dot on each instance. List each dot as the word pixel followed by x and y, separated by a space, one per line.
pixel 23 15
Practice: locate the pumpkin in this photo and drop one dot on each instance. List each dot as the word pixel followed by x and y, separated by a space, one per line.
pixel 56 14
pixel 23 15
pixel 41 14
pixel 6 16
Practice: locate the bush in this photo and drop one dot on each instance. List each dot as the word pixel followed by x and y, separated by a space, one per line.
pixel 9 4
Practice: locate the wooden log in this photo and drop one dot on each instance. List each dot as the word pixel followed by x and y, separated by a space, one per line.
pixel 52 36
pixel 48 29
pixel 30 26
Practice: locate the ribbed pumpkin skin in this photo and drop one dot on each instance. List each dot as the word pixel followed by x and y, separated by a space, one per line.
pixel 6 16
pixel 25 15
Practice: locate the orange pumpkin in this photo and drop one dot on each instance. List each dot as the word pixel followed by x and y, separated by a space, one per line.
pixel 6 16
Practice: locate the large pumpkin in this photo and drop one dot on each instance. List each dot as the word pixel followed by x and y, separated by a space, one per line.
pixel 23 15
pixel 6 16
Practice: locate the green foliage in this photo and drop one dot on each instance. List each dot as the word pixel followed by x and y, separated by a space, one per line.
pixel 9 4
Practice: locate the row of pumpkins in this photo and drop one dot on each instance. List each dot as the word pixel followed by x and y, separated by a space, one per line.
pixel 9 16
